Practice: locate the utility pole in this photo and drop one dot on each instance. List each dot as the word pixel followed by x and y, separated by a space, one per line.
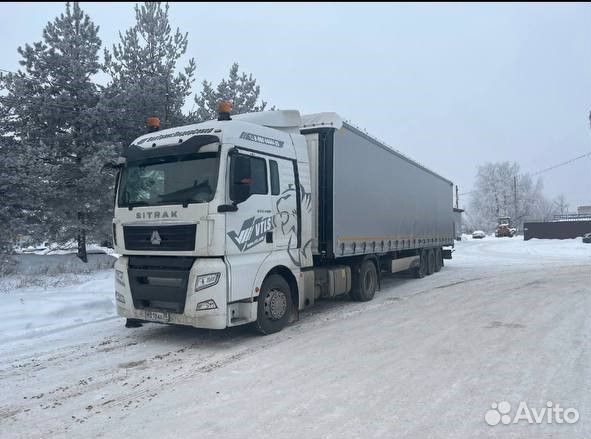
pixel 457 198
pixel 514 200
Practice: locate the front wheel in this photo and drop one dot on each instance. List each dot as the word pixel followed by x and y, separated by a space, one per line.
pixel 274 305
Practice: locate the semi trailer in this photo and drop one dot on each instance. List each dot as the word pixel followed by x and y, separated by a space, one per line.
pixel 251 218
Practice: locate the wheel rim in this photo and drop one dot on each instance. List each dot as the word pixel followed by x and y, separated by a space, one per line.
pixel 275 304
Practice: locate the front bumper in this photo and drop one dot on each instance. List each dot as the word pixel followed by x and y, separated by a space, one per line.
pixel 185 314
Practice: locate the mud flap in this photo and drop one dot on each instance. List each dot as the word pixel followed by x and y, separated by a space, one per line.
pixel 446 253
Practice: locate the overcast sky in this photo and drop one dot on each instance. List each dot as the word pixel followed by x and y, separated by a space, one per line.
pixel 451 85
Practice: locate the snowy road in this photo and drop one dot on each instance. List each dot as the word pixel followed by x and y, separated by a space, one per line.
pixel 506 320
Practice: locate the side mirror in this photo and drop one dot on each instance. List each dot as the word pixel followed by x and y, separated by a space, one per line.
pixel 109 166
pixel 240 178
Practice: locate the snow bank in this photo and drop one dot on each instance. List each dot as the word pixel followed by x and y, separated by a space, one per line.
pixel 63 249
pixel 31 311
pixel 511 251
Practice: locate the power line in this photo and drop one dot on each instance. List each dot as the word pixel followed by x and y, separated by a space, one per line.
pixel 562 164
pixel 588 154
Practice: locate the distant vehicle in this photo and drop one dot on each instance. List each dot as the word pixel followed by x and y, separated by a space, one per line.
pixel 478 234
pixel 504 228
pixel 587 238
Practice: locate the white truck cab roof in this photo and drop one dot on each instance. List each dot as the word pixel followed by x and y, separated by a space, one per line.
pixel 266 131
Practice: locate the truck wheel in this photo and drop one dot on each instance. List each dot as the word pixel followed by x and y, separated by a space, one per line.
pixel 438 260
pixel 365 282
pixel 274 305
pixel 430 261
pixel 420 271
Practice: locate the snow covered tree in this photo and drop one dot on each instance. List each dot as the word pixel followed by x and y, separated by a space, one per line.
pixel 501 190
pixel 561 204
pixel 144 77
pixel 239 88
pixel 50 109
pixel 18 207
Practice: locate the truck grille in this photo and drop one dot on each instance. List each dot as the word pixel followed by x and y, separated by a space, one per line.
pixel 159 282
pixel 160 238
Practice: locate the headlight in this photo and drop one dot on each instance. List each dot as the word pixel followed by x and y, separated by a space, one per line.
pixel 119 277
pixel 206 280
pixel 120 297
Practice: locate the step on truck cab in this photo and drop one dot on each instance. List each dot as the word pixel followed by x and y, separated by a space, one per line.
pixel 251 218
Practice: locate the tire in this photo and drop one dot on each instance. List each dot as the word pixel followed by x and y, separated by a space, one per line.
pixel 365 282
pixel 438 260
pixel 274 305
pixel 430 262
pixel 420 271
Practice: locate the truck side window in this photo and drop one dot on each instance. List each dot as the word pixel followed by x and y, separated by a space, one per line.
pixel 258 174
pixel 274 177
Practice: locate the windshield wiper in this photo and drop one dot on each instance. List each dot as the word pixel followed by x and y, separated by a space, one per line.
pixel 130 206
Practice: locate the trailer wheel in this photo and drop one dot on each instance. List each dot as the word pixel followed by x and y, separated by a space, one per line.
pixel 365 282
pixel 420 271
pixel 438 260
pixel 430 261
pixel 274 305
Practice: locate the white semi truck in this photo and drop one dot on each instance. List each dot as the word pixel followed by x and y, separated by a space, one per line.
pixel 253 217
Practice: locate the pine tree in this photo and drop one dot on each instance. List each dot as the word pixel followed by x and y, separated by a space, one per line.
pixel 239 88
pixel 51 110
pixel 17 207
pixel 143 68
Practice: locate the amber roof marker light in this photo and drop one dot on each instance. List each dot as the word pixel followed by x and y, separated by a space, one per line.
pixel 224 109
pixel 153 124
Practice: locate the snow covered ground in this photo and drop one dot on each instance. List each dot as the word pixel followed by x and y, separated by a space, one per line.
pixel 505 320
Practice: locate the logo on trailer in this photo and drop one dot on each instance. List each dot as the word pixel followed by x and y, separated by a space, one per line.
pixel 156 239
pixel 252 232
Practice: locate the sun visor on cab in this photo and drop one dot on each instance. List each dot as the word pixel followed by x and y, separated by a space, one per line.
pixel 190 146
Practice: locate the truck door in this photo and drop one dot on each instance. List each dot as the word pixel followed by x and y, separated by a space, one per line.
pixel 249 228
pixel 284 204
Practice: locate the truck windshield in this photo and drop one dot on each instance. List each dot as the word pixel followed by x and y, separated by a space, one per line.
pixel 169 180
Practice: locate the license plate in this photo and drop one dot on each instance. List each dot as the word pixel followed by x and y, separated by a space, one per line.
pixel 157 315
